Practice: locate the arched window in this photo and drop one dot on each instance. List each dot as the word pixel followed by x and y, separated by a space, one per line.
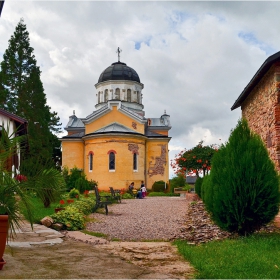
pixel 99 97
pixel 117 94
pixel 112 160
pixel 129 95
pixel 106 95
pixel 90 161
pixel 135 163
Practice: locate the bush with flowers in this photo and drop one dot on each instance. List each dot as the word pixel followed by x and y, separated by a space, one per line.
pixel 74 215
pixel 70 218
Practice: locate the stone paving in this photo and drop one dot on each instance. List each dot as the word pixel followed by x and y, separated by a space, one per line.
pixel 26 237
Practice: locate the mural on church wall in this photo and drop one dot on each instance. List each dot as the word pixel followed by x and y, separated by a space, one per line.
pixel 157 168
pixel 133 148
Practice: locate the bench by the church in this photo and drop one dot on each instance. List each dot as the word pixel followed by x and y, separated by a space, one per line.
pixel 115 194
pixel 101 201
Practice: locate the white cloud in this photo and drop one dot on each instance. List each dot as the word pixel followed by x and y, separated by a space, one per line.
pixel 194 58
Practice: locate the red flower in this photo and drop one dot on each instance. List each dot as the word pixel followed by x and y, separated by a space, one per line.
pixel 21 178
pixel 61 202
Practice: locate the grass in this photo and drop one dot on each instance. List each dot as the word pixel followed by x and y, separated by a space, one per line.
pixel 163 194
pixel 253 257
pixel 39 211
pixel 96 234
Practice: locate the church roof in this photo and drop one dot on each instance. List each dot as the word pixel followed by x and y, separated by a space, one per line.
pixel 119 71
pixel 74 122
pixel 75 135
pixel 150 133
pixel 257 77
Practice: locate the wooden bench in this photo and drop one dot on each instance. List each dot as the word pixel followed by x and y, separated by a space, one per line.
pixel 115 194
pixel 101 201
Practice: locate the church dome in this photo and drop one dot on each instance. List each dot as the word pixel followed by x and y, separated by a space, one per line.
pixel 119 71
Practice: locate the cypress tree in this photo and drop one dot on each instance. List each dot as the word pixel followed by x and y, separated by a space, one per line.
pixel 244 183
pixel 22 93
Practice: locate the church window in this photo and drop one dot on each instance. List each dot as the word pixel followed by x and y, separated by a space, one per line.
pixel 117 94
pixel 99 97
pixel 112 160
pixel 129 95
pixel 90 161
pixel 135 162
pixel 106 95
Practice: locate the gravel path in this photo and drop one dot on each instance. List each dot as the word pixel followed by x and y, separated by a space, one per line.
pixel 151 218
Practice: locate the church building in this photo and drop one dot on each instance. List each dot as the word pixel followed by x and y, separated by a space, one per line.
pixel 116 144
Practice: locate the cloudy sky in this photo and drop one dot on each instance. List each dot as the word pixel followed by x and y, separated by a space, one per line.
pixel 194 58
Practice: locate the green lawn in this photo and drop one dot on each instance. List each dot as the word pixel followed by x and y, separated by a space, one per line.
pixel 253 257
pixel 39 211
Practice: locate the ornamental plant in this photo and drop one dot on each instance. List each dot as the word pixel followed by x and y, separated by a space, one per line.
pixel 13 190
pixel 74 193
pixel 74 215
pixel 159 186
pixel 243 194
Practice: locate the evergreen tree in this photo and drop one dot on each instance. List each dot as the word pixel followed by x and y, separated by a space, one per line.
pixel 242 191
pixel 22 93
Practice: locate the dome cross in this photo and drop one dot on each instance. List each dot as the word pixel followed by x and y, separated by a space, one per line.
pixel 118 52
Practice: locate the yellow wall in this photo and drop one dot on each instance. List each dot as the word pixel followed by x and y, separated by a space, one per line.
pixel 111 117
pixel 72 154
pixel 157 161
pixel 124 173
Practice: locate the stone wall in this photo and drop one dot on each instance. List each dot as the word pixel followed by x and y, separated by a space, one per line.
pixel 262 111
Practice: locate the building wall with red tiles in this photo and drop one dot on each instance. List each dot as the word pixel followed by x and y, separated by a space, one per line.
pixel 262 111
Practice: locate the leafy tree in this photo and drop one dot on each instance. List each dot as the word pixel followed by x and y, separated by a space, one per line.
pixel 178 181
pixel 195 160
pixel 22 93
pixel 243 193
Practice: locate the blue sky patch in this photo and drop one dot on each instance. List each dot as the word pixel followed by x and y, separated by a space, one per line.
pixel 137 45
pixel 251 39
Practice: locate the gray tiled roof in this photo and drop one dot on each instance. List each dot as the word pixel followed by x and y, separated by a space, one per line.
pixel 97 112
pixel 75 122
pixel 75 135
pixel 124 108
pixel 150 133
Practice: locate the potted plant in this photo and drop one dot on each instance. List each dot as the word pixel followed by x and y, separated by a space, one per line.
pixel 15 188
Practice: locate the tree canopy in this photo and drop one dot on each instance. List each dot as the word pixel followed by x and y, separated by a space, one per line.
pixel 22 93
pixel 194 161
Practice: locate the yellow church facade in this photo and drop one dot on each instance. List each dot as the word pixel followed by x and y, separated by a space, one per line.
pixel 116 144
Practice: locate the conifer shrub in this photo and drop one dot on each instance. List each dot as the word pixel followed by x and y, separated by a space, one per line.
pixel 159 186
pixel 243 183
pixel 198 184
pixel 207 193
pixel 82 184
